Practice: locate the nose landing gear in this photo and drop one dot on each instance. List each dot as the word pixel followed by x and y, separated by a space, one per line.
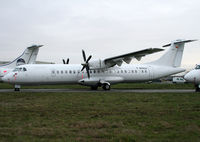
pixel 17 88
pixel 197 88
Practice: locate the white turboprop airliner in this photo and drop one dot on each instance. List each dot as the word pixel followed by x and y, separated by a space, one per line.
pixel 194 77
pixel 102 72
pixel 28 57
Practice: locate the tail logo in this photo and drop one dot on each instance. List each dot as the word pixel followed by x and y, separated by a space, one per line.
pixel 20 61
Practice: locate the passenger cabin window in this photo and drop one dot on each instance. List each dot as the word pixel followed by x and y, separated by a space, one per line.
pixel 197 67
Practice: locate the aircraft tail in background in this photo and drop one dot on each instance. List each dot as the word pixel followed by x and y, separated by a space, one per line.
pixel 28 57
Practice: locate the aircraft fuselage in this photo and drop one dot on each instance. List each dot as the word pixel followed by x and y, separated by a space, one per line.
pixel 69 74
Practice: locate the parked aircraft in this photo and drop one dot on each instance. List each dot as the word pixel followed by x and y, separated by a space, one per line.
pixel 102 72
pixel 194 77
pixel 28 57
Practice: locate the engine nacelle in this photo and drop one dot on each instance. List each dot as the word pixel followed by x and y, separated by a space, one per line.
pixel 99 64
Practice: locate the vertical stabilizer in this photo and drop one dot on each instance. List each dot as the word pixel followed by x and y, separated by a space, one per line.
pixel 173 56
pixel 28 57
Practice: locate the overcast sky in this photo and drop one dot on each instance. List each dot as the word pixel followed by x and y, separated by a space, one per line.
pixel 103 28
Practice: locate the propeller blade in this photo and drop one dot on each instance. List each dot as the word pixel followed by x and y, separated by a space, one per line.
pixel 63 61
pixel 67 61
pixel 88 59
pixel 87 69
pixel 85 64
pixel 83 68
pixel 84 57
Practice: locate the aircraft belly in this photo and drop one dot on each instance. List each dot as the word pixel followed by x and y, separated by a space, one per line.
pixel 99 79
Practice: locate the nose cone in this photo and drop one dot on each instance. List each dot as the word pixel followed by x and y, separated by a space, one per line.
pixel 5 78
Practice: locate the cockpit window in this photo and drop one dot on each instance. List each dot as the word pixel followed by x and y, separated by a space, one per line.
pixel 24 69
pixel 20 69
pixel 197 67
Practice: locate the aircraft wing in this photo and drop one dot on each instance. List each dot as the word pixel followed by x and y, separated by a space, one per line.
pixel 128 57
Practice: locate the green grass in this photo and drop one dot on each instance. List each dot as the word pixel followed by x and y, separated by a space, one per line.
pixel 100 116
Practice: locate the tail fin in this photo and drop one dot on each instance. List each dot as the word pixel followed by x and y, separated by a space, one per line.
pixel 173 56
pixel 28 57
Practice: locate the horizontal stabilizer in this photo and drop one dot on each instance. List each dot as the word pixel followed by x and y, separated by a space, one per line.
pixel 179 42
pixel 35 46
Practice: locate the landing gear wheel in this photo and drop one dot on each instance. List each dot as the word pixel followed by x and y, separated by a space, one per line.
pixel 17 89
pixel 94 87
pixel 106 86
pixel 197 88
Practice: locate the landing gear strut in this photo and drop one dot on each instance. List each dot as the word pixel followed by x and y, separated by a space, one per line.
pixel 17 87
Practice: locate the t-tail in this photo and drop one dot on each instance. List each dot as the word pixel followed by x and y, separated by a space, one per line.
pixel 28 57
pixel 173 56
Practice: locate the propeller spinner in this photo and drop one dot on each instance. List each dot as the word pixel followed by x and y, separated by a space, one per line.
pixel 86 63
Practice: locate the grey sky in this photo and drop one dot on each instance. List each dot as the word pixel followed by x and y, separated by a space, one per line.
pixel 102 28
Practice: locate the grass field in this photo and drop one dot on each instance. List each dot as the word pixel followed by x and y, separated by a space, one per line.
pixel 100 116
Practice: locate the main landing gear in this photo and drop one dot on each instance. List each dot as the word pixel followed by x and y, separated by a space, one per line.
pixel 105 86
pixel 17 88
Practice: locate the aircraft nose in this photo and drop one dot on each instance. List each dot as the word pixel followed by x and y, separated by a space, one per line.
pixel 6 78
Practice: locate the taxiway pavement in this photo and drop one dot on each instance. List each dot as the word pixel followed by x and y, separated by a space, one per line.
pixel 112 90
